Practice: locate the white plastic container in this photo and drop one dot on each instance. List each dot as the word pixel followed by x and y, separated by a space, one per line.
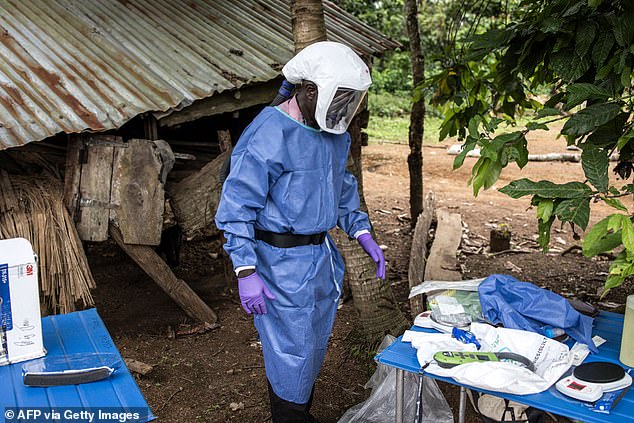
pixel 627 341
pixel 20 319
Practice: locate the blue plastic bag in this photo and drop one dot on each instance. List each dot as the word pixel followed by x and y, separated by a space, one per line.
pixel 522 305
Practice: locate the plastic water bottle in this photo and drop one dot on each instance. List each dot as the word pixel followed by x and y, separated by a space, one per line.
pixel 551 332
pixel 627 340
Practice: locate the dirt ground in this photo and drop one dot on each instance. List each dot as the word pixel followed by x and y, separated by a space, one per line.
pixel 219 376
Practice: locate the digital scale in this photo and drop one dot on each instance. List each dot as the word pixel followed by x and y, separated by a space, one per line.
pixel 590 381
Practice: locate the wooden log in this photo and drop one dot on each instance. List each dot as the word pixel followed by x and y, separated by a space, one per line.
pixel 160 272
pixel 195 198
pixel 418 256
pixel 547 157
pixel 442 264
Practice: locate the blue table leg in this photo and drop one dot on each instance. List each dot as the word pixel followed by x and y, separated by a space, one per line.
pixel 400 379
pixel 463 404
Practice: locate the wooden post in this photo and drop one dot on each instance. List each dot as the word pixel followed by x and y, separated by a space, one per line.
pixel 160 272
pixel 418 256
pixel 442 264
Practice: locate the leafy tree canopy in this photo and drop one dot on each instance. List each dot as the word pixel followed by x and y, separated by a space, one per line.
pixel 583 51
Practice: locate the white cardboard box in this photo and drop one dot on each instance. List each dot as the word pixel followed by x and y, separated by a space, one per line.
pixel 20 319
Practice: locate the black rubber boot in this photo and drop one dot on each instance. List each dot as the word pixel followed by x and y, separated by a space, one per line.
pixel 283 411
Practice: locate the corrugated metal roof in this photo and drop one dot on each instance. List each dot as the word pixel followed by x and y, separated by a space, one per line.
pixel 76 65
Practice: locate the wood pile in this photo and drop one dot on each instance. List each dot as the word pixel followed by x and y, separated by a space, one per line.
pixel 32 207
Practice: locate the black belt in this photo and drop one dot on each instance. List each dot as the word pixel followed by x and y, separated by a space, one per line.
pixel 288 240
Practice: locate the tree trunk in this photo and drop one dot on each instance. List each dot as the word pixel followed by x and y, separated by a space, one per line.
pixel 308 22
pixel 374 300
pixel 417 116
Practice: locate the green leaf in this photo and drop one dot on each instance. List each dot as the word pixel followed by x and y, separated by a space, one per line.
pixel 623 30
pixel 586 32
pixel 543 232
pixel 575 210
pixel 546 189
pixel 474 123
pixel 485 173
pixel 493 124
pixel 548 111
pixel 545 209
pixel 469 145
pixel 624 140
pixel 627 233
pixel 569 65
pixel 533 126
pixel 614 202
pixel 573 10
pixel 626 76
pixel 594 3
pixel 615 222
pixel 620 269
pixel 605 70
pixel 594 161
pixel 607 134
pixel 598 240
pixel 590 118
pixel 552 101
pixel 602 47
pixel 578 93
pixel 518 152
pixel 550 25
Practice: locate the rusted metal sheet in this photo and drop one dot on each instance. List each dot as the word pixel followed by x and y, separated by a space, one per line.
pixel 72 66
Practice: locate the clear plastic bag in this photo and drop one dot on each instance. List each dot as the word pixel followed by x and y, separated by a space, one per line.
pixel 380 406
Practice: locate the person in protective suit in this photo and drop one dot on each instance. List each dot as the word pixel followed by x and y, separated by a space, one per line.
pixel 287 186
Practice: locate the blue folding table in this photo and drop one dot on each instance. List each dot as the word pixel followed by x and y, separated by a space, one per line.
pixel 609 326
pixel 79 332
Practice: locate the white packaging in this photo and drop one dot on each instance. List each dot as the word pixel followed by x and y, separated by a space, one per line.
pixel 20 319
pixel 550 358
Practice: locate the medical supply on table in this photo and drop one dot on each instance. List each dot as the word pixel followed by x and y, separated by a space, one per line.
pixel 423 320
pixel 550 358
pixel 450 359
pixel 581 351
pixel 522 305
pixel 451 305
pixel 590 381
pixel 71 369
pixel 627 340
pixel 20 320
pixel 465 336
pixel 608 401
pixel 551 332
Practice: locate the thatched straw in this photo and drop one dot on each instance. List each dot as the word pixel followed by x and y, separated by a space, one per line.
pixel 32 207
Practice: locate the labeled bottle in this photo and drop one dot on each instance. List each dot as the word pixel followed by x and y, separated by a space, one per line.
pixel 627 341
pixel 551 332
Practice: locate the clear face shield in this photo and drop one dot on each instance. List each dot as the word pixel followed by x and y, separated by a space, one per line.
pixel 342 109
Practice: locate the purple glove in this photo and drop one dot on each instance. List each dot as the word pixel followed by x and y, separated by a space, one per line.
pixel 251 289
pixel 374 251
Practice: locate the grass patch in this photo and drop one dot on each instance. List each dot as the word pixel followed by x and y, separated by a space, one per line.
pixel 396 129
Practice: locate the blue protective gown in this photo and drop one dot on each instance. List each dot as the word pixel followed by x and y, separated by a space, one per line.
pixel 289 178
